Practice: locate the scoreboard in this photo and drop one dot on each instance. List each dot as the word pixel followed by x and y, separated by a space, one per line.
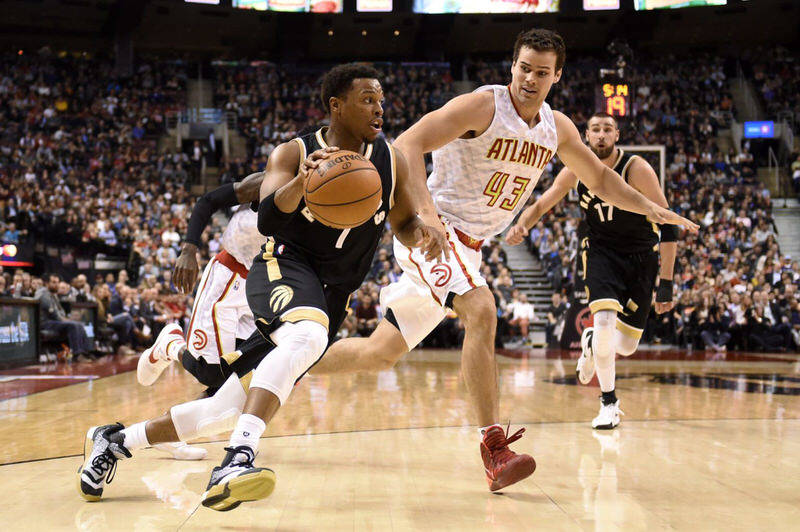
pixel 614 97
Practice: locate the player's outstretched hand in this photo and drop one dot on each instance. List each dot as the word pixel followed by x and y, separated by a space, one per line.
pixel 315 158
pixel 516 234
pixel 660 215
pixel 186 269
pixel 432 241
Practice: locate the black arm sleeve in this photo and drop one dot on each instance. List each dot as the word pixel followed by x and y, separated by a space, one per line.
pixel 270 217
pixel 206 206
pixel 669 232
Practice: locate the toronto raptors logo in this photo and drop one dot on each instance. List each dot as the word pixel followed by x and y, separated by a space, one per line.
pixel 280 297
pixel 583 320
pixel 200 339
pixel 442 273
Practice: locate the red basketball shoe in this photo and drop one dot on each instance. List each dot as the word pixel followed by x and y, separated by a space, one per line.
pixel 503 466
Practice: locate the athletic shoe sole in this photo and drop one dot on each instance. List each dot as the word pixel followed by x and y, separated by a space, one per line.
pixel 88 444
pixel 252 486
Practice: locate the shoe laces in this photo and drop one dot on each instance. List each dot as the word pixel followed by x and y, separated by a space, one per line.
pixel 248 462
pixel 105 462
pixel 497 442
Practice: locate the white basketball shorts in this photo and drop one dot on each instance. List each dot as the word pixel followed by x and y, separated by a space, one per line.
pixel 418 299
pixel 221 313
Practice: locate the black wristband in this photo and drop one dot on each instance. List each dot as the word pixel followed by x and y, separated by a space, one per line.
pixel 664 291
pixel 669 232
pixel 219 198
pixel 270 217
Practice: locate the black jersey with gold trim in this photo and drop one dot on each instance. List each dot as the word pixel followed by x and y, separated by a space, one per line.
pixel 622 230
pixel 341 257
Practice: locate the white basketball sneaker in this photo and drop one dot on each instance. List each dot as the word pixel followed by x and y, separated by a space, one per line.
pixel 153 361
pixel 585 368
pixel 181 451
pixel 608 417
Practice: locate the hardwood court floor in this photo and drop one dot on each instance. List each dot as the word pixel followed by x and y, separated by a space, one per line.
pixel 707 443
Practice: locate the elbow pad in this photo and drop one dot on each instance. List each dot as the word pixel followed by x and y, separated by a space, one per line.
pixel 206 206
pixel 270 217
pixel 669 233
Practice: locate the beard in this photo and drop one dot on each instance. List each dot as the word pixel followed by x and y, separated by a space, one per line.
pixel 602 153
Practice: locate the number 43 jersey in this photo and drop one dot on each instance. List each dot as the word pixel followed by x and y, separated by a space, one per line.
pixel 479 184
pixel 623 231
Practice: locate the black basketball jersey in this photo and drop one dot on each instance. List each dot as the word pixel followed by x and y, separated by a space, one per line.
pixel 621 230
pixel 341 257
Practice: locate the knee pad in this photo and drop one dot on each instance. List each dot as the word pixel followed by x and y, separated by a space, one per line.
pixel 626 346
pixel 299 346
pixel 212 415
pixel 605 328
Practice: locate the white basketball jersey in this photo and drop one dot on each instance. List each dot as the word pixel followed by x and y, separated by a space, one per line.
pixel 241 237
pixel 480 184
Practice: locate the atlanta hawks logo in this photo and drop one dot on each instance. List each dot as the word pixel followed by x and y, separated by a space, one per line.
pixel 442 272
pixel 280 297
pixel 200 339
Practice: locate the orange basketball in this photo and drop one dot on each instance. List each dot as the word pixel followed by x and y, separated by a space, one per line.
pixel 344 191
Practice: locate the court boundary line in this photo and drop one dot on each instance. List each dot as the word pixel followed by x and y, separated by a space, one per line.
pixel 333 433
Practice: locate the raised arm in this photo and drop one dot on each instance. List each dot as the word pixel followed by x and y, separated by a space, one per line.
pixel 229 195
pixel 564 181
pixel 604 181
pixel 466 116
pixel 643 178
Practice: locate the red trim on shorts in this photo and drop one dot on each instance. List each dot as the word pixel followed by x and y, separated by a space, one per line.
pixel 463 268
pixel 197 296
pixel 422 276
pixel 214 314
pixel 471 243
pixel 228 260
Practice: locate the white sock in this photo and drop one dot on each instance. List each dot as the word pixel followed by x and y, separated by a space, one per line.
pixel 175 349
pixel 135 436
pixel 604 349
pixel 248 431
pixel 483 430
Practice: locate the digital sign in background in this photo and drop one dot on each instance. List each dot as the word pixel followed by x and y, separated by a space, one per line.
pixel 759 130
pixel 19 343
pixel 297 6
pixel 643 5
pixel 613 97
pixel 367 6
pixel 486 6
pixel 595 5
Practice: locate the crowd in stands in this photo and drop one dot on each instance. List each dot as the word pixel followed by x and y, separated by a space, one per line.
pixel 79 166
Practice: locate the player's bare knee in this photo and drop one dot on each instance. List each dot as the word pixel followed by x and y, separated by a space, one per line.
pixel 478 311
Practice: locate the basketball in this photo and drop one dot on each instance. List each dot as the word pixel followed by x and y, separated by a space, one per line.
pixel 344 191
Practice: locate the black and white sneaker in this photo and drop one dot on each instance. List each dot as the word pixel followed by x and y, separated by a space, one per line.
pixel 237 480
pixel 585 368
pixel 101 463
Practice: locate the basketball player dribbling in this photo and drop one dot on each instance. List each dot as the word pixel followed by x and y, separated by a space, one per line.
pixel 297 288
pixel 489 149
pixel 620 261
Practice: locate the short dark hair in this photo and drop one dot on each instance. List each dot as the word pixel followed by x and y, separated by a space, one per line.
pixel 603 114
pixel 340 78
pixel 542 40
